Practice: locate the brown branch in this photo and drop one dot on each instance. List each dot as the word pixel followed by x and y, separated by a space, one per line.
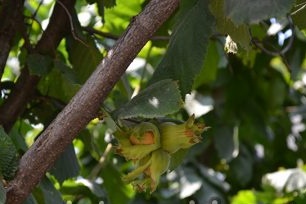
pixel 26 83
pixel 10 11
pixel 85 104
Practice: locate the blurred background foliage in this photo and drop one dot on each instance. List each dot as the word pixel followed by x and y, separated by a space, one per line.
pixel 244 73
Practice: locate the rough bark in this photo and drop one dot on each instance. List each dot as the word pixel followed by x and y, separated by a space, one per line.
pixel 12 108
pixel 85 104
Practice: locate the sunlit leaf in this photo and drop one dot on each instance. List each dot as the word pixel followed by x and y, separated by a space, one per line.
pixel 157 100
pixel 244 196
pixel 118 17
pixel 185 55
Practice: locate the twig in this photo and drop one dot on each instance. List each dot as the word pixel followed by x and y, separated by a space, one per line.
pixel 71 24
pixel 92 31
pixel 275 52
pixel 34 15
pixel 303 5
pixel 281 53
pixel 96 170
pixel 145 67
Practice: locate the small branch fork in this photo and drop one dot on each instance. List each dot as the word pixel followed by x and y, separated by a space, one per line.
pixel 281 52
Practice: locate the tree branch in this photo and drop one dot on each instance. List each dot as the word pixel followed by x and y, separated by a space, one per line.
pixel 85 104
pixel 10 11
pixel 26 83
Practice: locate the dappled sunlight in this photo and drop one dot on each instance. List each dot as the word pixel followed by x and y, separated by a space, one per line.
pixel 154 102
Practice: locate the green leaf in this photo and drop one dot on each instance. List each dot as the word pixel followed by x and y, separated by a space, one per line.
pixel 8 156
pixel 84 188
pixel 157 100
pixel 209 71
pixel 39 64
pixel 83 57
pixel 2 193
pixel 118 18
pixel 51 195
pixel 298 14
pixel 60 83
pixel 242 166
pixel 18 139
pixel 91 1
pixel 109 3
pixel 239 34
pixel 117 191
pixel 185 55
pixel 250 11
pixel 66 166
pixel 244 196
pixel 177 158
pixel 30 200
pixel 226 142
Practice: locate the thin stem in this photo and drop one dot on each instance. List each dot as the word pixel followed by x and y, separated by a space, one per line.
pixel 71 23
pixel 275 52
pixel 34 15
pixel 144 70
pixel 97 169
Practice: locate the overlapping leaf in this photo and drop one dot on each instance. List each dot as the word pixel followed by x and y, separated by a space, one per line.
pixel 239 34
pixel 157 100
pixel 83 57
pixel 39 64
pixel 50 193
pixel 185 55
pixel 66 166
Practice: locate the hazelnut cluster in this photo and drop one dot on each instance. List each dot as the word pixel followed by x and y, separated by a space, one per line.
pixel 150 145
